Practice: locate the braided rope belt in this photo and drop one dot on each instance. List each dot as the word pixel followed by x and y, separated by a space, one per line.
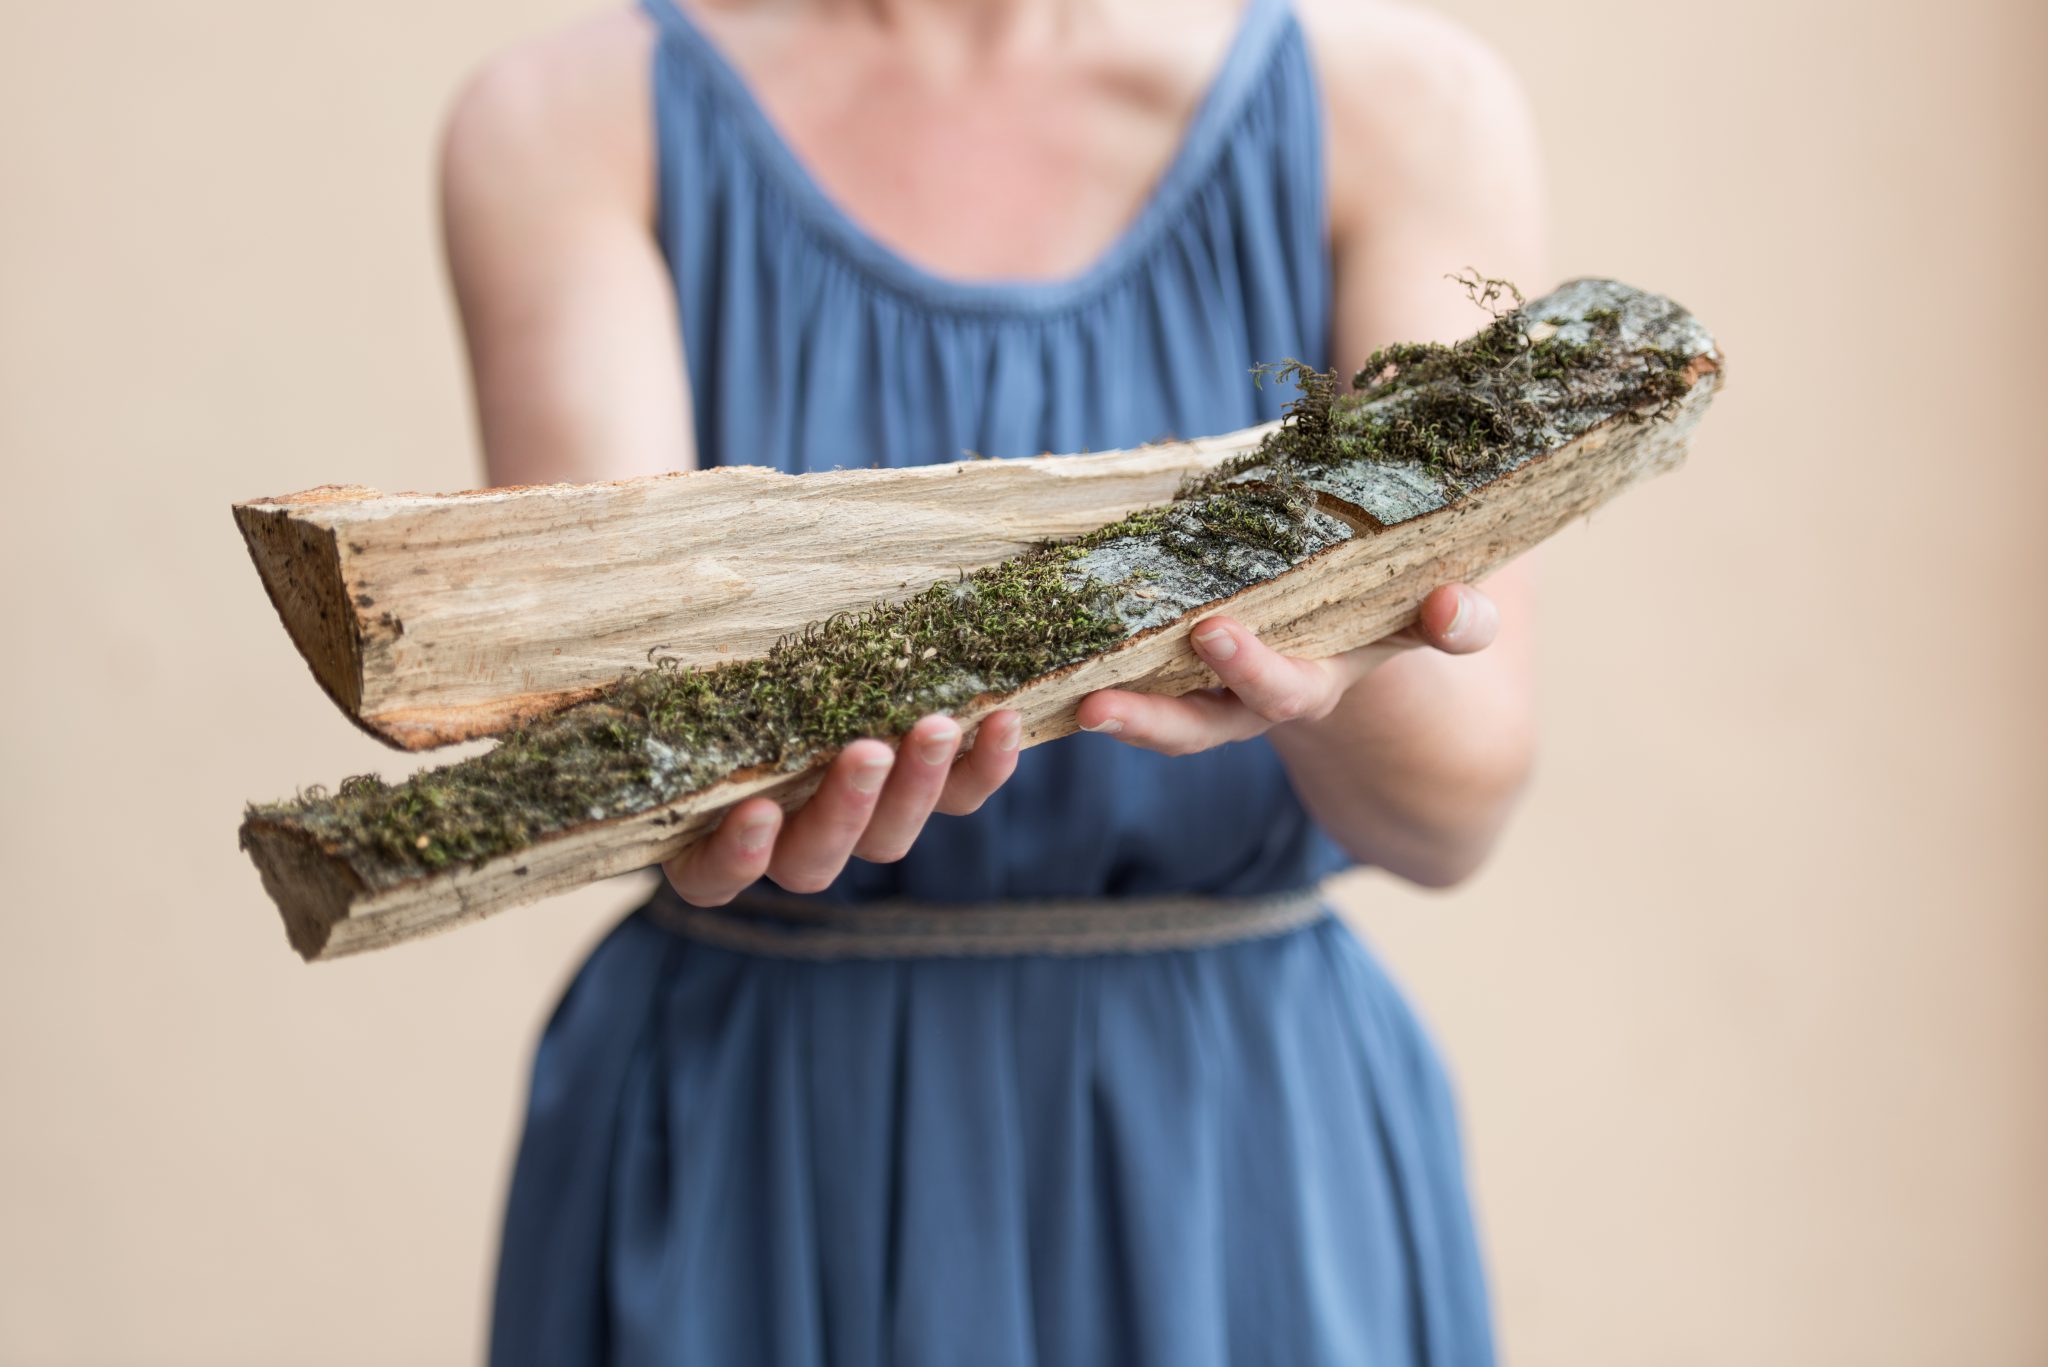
pixel 798 928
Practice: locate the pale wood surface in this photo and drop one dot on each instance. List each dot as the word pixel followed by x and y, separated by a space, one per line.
pixel 437 618
pixel 1348 595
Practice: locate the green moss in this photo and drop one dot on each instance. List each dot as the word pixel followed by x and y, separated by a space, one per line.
pixel 1458 410
pixel 1264 516
pixel 667 731
pixel 1469 406
pixel 1144 522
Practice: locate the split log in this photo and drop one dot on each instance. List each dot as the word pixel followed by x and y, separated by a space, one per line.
pixel 435 618
pixel 1378 535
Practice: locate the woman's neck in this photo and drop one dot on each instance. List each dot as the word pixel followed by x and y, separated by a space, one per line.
pixel 957 36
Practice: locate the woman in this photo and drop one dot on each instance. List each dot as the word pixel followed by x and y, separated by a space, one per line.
pixel 812 233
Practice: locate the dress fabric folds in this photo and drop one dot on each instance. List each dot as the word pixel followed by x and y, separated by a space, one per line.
pixel 1241 1154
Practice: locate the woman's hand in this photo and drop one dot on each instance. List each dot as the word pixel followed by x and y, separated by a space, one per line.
pixel 1409 758
pixel 1263 688
pixel 872 803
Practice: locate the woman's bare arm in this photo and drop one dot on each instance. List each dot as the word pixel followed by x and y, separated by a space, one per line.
pixel 547 193
pixel 548 201
pixel 1411 757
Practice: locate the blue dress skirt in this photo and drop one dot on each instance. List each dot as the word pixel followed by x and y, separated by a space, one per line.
pixel 1239 1152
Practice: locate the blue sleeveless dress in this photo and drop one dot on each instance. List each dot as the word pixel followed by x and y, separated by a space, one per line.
pixel 1241 1154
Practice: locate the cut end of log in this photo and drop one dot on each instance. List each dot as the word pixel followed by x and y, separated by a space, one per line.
pixel 300 565
pixel 312 889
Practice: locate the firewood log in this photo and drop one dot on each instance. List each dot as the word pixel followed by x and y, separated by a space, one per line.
pixel 1323 534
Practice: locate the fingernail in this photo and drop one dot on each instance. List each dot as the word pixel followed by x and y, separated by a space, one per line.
pixel 1012 735
pixel 1460 617
pixel 1217 644
pixel 1108 726
pixel 755 834
pixel 937 746
pixel 868 775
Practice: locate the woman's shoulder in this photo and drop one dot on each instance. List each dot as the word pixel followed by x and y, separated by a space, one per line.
pixel 1420 108
pixel 1409 52
pixel 563 112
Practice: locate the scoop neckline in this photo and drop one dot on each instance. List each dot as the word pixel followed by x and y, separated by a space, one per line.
pixel 1201 140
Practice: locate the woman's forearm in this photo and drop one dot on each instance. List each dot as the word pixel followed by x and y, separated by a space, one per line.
pixel 1410 752
pixel 1418 767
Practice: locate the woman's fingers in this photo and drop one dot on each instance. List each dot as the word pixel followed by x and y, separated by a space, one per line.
pixel 923 762
pixel 872 802
pixel 817 841
pixel 986 767
pixel 1457 619
pixel 1277 687
pixel 716 869
pixel 1266 688
pixel 1172 726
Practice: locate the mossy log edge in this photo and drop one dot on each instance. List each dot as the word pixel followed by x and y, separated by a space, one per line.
pixel 1349 595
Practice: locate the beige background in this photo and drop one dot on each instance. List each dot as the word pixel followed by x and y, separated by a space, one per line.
pixel 1749 1013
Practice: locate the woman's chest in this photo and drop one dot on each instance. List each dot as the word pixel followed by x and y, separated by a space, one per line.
pixel 1027 167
